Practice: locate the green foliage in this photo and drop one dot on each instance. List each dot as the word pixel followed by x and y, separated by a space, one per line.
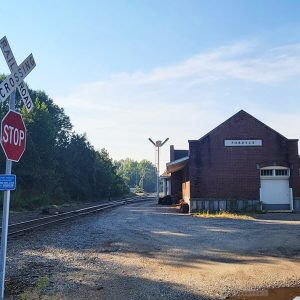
pixel 36 293
pixel 42 282
pixel 59 165
pixel 25 296
pixel 137 174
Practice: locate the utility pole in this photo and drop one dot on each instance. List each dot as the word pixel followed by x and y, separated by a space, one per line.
pixel 157 145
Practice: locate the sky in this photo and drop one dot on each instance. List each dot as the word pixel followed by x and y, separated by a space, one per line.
pixel 125 71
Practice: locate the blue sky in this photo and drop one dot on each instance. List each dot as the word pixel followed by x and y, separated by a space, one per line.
pixel 128 70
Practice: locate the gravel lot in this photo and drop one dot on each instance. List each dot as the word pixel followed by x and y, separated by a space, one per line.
pixel 145 251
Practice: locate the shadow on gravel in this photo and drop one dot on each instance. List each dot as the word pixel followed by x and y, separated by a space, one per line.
pixel 87 258
pixel 84 282
pixel 134 288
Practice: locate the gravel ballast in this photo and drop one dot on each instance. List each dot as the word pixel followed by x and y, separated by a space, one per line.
pixel 145 251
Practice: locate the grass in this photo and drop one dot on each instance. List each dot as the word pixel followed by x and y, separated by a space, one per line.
pixel 36 293
pixel 224 215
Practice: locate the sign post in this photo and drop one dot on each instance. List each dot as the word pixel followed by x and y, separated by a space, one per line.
pixel 6 201
pixel 13 136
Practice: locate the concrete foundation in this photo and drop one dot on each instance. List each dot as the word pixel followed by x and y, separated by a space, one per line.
pixel 198 205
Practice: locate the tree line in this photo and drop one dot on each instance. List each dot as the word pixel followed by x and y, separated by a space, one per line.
pixel 138 175
pixel 59 165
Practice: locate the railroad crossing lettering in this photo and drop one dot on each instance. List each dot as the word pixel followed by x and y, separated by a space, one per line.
pixel 25 96
pixel 18 73
pixel 14 80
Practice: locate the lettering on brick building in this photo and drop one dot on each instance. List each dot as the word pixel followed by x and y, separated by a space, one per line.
pixel 242 143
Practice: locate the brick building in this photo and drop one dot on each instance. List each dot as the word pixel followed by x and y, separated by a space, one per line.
pixel 240 165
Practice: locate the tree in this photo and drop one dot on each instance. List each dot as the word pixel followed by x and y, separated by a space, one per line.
pixel 129 171
pixel 148 173
pixel 141 174
pixel 59 164
pixel 111 183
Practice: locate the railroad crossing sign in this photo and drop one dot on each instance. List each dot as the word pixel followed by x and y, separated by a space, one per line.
pixel 13 136
pixel 18 73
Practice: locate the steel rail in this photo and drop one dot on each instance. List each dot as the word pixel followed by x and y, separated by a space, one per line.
pixel 21 227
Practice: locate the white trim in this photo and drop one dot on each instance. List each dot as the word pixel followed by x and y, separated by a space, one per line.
pixel 274 177
pixel 274 167
pixel 171 163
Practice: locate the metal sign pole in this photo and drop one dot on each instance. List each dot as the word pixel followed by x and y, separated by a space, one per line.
pixel 6 201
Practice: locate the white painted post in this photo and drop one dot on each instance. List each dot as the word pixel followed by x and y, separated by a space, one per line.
pixel 6 201
pixel 169 186
pixel 260 200
pixel 164 186
pixel 291 200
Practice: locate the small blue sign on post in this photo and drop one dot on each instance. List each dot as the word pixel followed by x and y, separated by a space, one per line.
pixel 7 182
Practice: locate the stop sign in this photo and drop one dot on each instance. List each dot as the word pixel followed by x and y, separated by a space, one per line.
pixel 13 135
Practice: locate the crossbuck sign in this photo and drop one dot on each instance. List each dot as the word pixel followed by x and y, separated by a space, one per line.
pixel 13 136
pixel 18 73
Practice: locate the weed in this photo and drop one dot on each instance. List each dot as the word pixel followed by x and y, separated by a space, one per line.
pixel 42 282
pixel 36 292
pixel 223 214
pixel 24 296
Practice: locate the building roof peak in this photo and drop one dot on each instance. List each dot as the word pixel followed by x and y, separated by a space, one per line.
pixel 237 115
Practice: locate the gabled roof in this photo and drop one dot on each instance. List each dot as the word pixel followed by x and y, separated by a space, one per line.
pixel 241 112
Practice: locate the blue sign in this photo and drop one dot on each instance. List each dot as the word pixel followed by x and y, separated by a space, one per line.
pixel 7 182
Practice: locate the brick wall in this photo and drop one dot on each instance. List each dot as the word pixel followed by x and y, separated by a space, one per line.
pixel 217 171
pixel 177 154
pixel 180 184
pixel 176 186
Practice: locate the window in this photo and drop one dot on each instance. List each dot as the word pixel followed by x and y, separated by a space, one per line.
pixel 274 172
pixel 268 172
pixel 281 172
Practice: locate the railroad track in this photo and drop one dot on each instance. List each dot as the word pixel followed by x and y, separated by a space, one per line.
pixel 17 228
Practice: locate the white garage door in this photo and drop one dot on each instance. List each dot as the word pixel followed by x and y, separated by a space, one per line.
pixel 275 190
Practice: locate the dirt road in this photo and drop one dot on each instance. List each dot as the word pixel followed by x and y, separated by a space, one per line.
pixel 145 251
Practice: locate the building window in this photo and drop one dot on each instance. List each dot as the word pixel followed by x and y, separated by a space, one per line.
pixel 281 172
pixel 274 172
pixel 267 172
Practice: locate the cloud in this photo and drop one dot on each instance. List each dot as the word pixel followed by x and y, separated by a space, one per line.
pixel 186 100
pixel 238 61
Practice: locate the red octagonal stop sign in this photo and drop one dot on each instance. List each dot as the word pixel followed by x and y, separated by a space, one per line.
pixel 13 135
